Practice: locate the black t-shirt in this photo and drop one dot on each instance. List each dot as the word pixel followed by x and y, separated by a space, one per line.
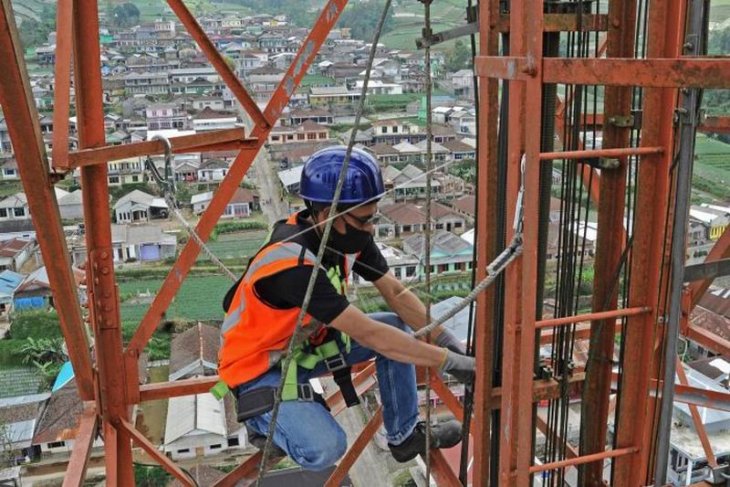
pixel 286 289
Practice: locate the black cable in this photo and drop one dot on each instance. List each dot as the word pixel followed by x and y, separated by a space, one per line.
pixel 470 334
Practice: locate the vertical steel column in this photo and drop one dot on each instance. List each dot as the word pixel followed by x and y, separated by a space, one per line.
pixel 636 416
pixel 688 122
pixel 103 300
pixel 487 243
pixel 526 39
pixel 611 211
pixel 22 119
pixel 511 358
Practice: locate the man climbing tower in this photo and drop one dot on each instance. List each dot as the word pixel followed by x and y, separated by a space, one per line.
pixel 263 306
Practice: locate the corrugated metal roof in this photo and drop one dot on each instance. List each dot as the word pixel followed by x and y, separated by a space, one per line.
pixel 187 414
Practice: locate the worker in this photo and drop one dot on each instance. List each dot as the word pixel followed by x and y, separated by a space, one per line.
pixel 263 307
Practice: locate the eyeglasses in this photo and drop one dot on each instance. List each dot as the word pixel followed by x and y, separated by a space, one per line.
pixel 363 220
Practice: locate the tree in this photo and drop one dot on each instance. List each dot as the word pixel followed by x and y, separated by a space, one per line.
pixel 458 57
pixel 125 14
pixel 35 32
pixel 7 452
pixel 362 17
pixel 46 354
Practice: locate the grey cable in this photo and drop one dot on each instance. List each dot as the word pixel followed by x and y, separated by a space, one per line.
pixel 427 235
pixel 191 231
pixel 320 253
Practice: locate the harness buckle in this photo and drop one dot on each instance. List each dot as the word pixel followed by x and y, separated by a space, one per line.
pixel 305 392
pixel 335 363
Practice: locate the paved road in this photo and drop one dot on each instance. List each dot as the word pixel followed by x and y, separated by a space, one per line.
pixel 267 182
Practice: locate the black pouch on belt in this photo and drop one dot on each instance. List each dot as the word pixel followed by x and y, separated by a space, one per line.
pixel 255 403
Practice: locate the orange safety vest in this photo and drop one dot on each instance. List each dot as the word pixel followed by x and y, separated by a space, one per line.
pixel 255 335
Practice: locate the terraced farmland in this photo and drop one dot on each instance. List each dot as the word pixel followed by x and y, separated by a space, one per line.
pixel 712 168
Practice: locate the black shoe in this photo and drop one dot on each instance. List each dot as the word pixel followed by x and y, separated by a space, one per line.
pixel 443 435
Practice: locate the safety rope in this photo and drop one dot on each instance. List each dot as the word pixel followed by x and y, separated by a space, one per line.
pixel 167 184
pixel 320 252
pixel 496 267
pixel 427 236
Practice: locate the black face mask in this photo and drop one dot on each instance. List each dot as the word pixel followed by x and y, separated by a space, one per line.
pixel 352 242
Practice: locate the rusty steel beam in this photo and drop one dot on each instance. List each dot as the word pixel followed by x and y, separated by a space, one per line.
pixel 219 63
pixel 486 250
pixel 22 120
pixel 563 23
pixel 276 105
pixel 62 81
pixel 520 281
pixel 636 418
pixel 356 449
pixel 602 315
pixel 185 387
pixel 612 188
pixel 141 441
pixel 525 332
pixel 609 153
pixel 721 250
pixel 184 143
pixel 111 458
pixel 707 339
pixel 594 457
pixel 363 380
pixel 697 420
pixel 653 72
pixel 513 68
pixel 76 471
pixel 102 289
pixel 717 125
pixel 445 394
pixel 441 470
pixel 702 397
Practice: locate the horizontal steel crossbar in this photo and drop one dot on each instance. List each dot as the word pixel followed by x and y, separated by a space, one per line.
pixel 235 138
pixel 583 459
pixel 656 73
pixel 588 153
pixel 601 315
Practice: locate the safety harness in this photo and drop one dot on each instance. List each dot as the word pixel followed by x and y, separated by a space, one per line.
pixel 324 345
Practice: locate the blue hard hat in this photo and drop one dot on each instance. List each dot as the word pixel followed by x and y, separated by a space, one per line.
pixel 321 172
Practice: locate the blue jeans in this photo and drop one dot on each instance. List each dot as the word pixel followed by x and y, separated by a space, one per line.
pixel 309 434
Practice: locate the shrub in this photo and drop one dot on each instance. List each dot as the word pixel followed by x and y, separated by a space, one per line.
pixel 238 226
pixel 35 324
pixel 10 352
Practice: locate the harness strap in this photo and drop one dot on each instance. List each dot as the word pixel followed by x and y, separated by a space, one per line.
pixel 343 379
pixel 329 352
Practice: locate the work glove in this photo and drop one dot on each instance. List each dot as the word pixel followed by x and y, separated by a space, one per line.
pixel 461 367
pixel 448 340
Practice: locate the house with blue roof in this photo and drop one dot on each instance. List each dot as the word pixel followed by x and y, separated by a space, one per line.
pixel 9 282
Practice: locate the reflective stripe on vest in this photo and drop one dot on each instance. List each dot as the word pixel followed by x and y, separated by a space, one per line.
pixel 255 335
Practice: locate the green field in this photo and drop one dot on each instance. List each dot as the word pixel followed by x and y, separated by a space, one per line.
pixel 235 247
pixel 445 14
pixel 199 298
pixel 712 168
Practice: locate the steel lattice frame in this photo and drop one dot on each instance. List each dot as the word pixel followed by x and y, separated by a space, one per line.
pixel 526 70
pixel 110 385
